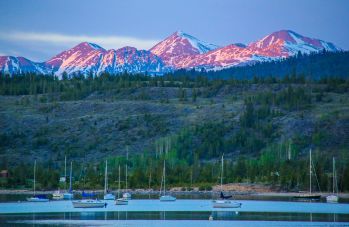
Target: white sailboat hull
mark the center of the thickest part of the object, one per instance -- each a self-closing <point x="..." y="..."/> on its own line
<point x="36" y="199"/>
<point x="127" y="196"/>
<point x="109" y="197"/>
<point x="68" y="196"/>
<point x="225" y="204"/>
<point x="332" y="199"/>
<point x="121" y="201"/>
<point x="167" y="198"/>
<point x="57" y="196"/>
<point x="88" y="204"/>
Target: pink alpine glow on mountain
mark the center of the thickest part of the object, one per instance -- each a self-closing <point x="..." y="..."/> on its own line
<point x="179" y="46"/>
<point x="179" y="50"/>
<point x="87" y="58"/>
<point x="277" y="45"/>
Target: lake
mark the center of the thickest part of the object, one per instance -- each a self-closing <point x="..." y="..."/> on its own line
<point x="183" y="212"/>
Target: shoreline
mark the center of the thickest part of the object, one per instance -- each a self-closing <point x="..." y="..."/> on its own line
<point x="175" y="192"/>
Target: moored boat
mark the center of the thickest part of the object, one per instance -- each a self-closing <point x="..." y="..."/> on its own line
<point x="57" y="195"/>
<point x="333" y="198"/>
<point x="36" y="198"/>
<point x="167" y="198"/>
<point x="120" y="201"/>
<point x="89" y="203"/>
<point x="226" y="204"/>
<point x="223" y="202"/>
<point x="310" y="195"/>
<point x="69" y="194"/>
<point x="164" y="197"/>
<point x="126" y="194"/>
<point x="107" y="196"/>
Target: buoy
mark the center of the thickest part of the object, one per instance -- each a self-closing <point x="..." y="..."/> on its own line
<point x="210" y="218"/>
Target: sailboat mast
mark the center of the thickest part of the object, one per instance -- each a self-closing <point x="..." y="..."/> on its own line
<point x="333" y="174"/>
<point x="71" y="171"/>
<point x="105" y="177"/>
<point x="149" y="178"/>
<point x="34" y="175"/>
<point x="119" y="184"/>
<point x="126" y="176"/>
<point x="222" y="174"/>
<point x="65" y="173"/>
<point x="310" y="171"/>
<point x="164" y="177"/>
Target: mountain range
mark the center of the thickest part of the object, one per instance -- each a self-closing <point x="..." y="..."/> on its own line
<point x="178" y="51"/>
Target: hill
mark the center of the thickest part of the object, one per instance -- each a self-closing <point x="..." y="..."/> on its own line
<point x="311" y="66"/>
<point x="264" y="128"/>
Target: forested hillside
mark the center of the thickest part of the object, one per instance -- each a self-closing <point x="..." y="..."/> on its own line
<point x="264" y="127"/>
<point x="314" y="66"/>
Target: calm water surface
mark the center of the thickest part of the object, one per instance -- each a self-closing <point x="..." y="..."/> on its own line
<point x="184" y="212"/>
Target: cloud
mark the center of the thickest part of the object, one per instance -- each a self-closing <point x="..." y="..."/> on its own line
<point x="108" y="42"/>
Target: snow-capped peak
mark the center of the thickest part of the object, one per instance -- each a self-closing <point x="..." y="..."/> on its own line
<point x="286" y="43"/>
<point x="89" y="46"/>
<point x="179" y="50"/>
<point x="203" y="47"/>
<point x="180" y="45"/>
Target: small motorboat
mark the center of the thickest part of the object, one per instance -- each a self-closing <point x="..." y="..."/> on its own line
<point x="121" y="201"/>
<point x="89" y="203"/>
<point x="38" y="199"/>
<point x="225" y="204"/>
<point x="57" y="195"/>
<point x="167" y="198"/>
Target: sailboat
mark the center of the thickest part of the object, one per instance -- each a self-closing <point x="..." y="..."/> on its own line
<point x="334" y="197"/>
<point x="120" y="201"/>
<point x="164" y="197"/>
<point x="58" y="195"/>
<point x="126" y="195"/>
<point x="107" y="196"/>
<point x="36" y="198"/>
<point x="223" y="202"/>
<point x="69" y="195"/>
<point x="89" y="203"/>
<point x="310" y="195"/>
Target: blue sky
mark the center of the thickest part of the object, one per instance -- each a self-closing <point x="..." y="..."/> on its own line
<point x="39" y="29"/>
